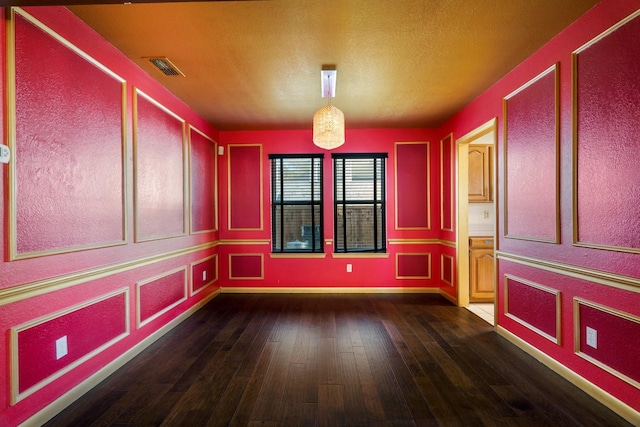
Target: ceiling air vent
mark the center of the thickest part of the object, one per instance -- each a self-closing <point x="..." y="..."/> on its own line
<point x="165" y="66"/>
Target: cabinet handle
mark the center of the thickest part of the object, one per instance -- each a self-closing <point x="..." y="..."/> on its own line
<point x="488" y="242"/>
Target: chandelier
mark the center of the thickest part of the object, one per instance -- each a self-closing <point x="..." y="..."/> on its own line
<point x="328" y="121"/>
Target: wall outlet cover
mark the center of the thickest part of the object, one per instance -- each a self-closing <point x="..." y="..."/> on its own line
<point x="61" y="347"/>
<point x="5" y="154"/>
<point x="592" y="337"/>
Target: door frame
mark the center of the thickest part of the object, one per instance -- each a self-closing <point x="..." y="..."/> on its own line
<point x="462" y="198"/>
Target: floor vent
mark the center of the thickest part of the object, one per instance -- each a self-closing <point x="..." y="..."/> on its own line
<point x="165" y="66"/>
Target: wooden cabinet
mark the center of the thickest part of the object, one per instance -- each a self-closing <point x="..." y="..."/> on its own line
<point x="481" y="269"/>
<point x="480" y="173"/>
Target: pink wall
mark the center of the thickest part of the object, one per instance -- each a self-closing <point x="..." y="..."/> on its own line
<point x="46" y="282"/>
<point x="329" y="271"/>
<point x="607" y="277"/>
<point x="71" y="266"/>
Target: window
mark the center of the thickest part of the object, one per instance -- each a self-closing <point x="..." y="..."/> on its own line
<point x="359" y="202"/>
<point x="296" y="203"/>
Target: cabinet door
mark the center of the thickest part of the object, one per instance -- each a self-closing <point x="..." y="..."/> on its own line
<point x="480" y="173"/>
<point x="481" y="286"/>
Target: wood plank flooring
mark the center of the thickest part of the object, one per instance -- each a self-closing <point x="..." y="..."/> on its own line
<point x="334" y="360"/>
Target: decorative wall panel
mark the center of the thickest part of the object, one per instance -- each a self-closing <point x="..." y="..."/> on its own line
<point x="245" y="187"/>
<point x="412" y="189"/>
<point x="159" y="170"/>
<point x="246" y="266"/>
<point x="534" y="306"/>
<point x="160" y="294"/>
<point x="446" y="269"/>
<point x="606" y="107"/>
<point x="204" y="184"/>
<point x="608" y="338"/>
<point x="45" y="349"/>
<point x="204" y="273"/>
<point x="447" y="147"/>
<point x="413" y="266"/>
<point x="531" y="160"/>
<point x="66" y="129"/>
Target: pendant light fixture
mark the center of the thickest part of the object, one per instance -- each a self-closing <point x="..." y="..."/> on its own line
<point x="328" y="121"/>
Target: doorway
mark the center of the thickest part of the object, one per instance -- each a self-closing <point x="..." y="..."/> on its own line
<point x="465" y="229"/>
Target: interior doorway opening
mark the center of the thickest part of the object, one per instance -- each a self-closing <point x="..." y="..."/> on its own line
<point x="468" y="294"/>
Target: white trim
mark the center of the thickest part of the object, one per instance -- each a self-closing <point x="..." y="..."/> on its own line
<point x="611" y="402"/>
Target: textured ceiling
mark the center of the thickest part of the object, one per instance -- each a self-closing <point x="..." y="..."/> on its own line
<point x="401" y="63"/>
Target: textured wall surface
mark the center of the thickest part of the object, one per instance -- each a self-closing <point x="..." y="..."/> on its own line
<point x="607" y="103"/>
<point x="597" y="142"/>
<point x="76" y="185"/>
<point x="69" y="148"/>
<point x="531" y="147"/>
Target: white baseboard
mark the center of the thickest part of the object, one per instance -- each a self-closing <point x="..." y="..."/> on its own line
<point x="326" y="290"/>
<point x="617" y="406"/>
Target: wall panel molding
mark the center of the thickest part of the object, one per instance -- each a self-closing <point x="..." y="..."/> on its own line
<point x="413" y="266"/>
<point x="75" y="219"/>
<point x="447" y="180"/>
<point x="246" y="266"/>
<point x="531" y="188"/>
<point x="605" y="99"/>
<point x="151" y="304"/>
<point x="160" y="172"/>
<point x="421" y="242"/>
<point x="527" y="309"/>
<point x="611" y="335"/>
<point x="203" y="163"/>
<point x="47" y="370"/>
<point x="232" y="242"/>
<point x="41" y="287"/>
<point x="412" y="172"/>
<point x="244" y="179"/>
<point x="204" y="273"/>
<point x="447" y="269"/>
<point x="600" y="277"/>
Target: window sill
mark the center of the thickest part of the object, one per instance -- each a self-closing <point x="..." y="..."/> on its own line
<point x="360" y="255"/>
<point x="296" y="255"/>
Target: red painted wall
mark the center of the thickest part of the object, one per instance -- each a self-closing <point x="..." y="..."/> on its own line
<point x="34" y="288"/>
<point x="75" y="210"/>
<point x="332" y="272"/>
<point x="607" y="277"/>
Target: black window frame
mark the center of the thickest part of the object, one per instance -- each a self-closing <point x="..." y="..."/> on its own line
<point x="344" y="247"/>
<point x="282" y="203"/>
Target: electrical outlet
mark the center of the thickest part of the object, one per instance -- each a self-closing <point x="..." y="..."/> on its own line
<point x="486" y="214"/>
<point x="5" y="154"/>
<point x="204" y="275"/>
<point x="61" y="347"/>
<point x="349" y="268"/>
<point x="592" y="337"/>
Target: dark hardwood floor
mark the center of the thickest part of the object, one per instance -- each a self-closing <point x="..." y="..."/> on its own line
<point x="347" y="360"/>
